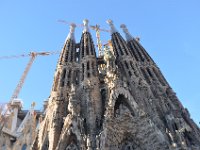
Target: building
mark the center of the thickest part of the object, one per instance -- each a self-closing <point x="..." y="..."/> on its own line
<point x="120" y="101"/>
<point x="18" y="127"/>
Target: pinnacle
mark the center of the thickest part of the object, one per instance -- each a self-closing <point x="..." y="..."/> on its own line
<point x="110" y="23"/>
<point x="126" y="32"/>
<point x="71" y="32"/>
<point x="85" y="23"/>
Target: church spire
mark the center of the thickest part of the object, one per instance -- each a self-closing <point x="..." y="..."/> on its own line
<point x="86" y="44"/>
<point x="85" y="23"/>
<point x="127" y="34"/>
<point x="119" y="45"/>
<point x="113" y="29"/>
<point x="68" y="53"/>
<point x="64" y="75"/>
<point x="151" y="73"/>
<point x="71" y="32"/>
<point x="138" y="51"/>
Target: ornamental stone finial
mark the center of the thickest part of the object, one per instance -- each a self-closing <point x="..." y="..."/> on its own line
<point x="71" y="31"/>
<point x="126" y="32"/>
<point x="85" y="23"/>
<point x="113" y="29"/>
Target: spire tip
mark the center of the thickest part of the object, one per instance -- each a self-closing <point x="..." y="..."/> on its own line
<point x="109" y="21"/>
<point x="113" y="29"/>
<point x="122" y="26"/>
<point x="73" y="25"/>
<point x="85" y="23"/>
<point x="71" y="31"/>
<point x="126" y="32"/>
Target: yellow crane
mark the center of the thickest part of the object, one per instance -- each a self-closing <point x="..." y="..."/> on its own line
<point x="19" y="86"/>
<point x="99" y="43"/>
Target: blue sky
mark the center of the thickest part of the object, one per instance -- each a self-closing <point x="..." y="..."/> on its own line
<point x="169" y="31"/>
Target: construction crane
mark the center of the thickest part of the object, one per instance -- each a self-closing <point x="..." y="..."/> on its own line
<point x="99" y="43"/>
<point x="17" y="90"/>
<point x="24" y="75"/>
<point x="97" y="29"/>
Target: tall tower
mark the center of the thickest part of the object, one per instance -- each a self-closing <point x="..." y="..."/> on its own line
<point x="128" y="106"/>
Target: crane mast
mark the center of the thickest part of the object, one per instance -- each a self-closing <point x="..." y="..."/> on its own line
<point x="23" y="77"/>
<point x="99" y="45"/>
<point x="19" y="86"/>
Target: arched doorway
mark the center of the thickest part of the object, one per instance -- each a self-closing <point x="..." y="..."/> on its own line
<point x="122" y="106"/>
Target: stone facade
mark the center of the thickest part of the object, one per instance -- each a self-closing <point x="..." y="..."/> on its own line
<point x="118" y="102"/>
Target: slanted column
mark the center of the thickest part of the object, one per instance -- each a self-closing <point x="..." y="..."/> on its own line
<point x="137" y="50"/>
<point x="119" y="45"/>
<point x="128" y="36"/>
<point x="136" y="54"/>
<point x="86" y="45"/>
<point x="87" y="54"/>
<point x="112" y="27"/>
<point x="151" y="73"/>
<point x="72" y="44"/>
<point x="69" y="50"/>
<point x="67" y="62"/>
<point x="91" y="103"/>
<point x="117" y="50"/>
<point x="67" y="57"/>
